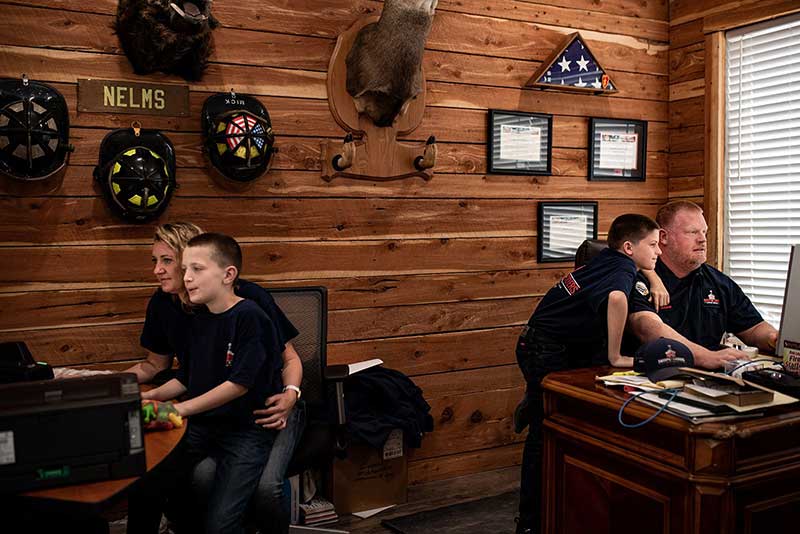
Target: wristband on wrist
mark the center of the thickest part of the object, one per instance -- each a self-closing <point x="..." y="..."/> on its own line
<point x="293" y="388"/>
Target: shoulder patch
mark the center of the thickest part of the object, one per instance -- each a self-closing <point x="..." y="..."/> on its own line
<point x="641" y="287"/>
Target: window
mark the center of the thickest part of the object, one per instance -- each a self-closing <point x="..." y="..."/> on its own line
<point x="762" y="171"/>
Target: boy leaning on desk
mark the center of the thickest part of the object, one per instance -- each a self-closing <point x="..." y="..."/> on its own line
<point x="232" y="364"/>
<point x="578" y="323"/>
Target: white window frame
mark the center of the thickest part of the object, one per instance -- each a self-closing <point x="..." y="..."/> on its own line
<point x="761" y="164"/>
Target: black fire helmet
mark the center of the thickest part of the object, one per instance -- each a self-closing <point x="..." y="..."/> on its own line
<point x="34" y="131"/>
<point x="136" y="172"/>
<point x="238" y="136"/>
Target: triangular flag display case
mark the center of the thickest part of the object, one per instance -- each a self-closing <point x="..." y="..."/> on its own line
<point x="573" y="67"/>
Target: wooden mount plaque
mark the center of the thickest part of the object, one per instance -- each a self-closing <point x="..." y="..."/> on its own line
<point x="379" y="156"/>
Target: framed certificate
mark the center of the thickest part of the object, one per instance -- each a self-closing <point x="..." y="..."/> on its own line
<point x="562" y="227"/>
<point x="519" y="142"/>
<point x="617" y="149"/>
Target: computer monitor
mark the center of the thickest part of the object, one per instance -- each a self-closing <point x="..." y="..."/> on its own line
<point x="789" y="337"/>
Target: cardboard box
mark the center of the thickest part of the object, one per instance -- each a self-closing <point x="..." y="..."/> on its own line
<point x="370" y="478"/>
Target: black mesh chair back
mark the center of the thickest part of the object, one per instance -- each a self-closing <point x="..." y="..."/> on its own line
<point x="588" y="250"/>
<point x="307" y="309"/>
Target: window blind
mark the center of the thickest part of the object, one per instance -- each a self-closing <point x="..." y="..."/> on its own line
<point x="762" y="171"/>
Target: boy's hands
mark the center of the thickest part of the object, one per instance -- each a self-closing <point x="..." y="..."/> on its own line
<point x="158" y="415"/>
<point x="658" y="292"/>
<point x="620" y="361"/>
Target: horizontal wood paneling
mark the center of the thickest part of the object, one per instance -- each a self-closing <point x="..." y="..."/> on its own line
<point x="43" y="219"/>
<point x="687" y="63"/>
<point x="472" y="421"/>
<point x="687" y="112"/>
<point x="87" y="32"/>
<point x="686" y="163"/>
<point x="686" y="34"/>
<point x="197" y="182"/>
<point x="686" y="139"/>
<point x="300" y="153"/>
<point x="66" y="307"/>
<point x="68" y="67"/>
<point x="435" y="353"/>
<point x="443" y="467"/>
<point x="433" y="277"/>
<point x="304" y="117"/>
<point x="277" y="260"/>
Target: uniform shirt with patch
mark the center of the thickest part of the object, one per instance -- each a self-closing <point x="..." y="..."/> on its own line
<point x="703" y="305"/>
<point x="166" y="322"/>
<point x="233" y="345"/>
<point x="575" y="309"/>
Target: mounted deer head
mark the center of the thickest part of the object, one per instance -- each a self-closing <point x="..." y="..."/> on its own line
<point x="384" y="65"/>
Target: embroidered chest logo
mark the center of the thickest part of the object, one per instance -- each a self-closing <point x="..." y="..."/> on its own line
<point x="711" y="299"/>
<point x="570" y="285"/>
<point x="229" y="356"/>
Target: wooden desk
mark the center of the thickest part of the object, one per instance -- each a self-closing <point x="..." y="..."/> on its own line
<point x="669" y="476"/>
<point x="157" y="445"/>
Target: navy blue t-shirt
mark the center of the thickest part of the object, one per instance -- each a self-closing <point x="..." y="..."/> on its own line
<point x="702" y="306"/>
<point x="166" y="322"/>
<point x="574" y="310"/>
<point x="233" y="345"/>
<point x="165" y="325"/>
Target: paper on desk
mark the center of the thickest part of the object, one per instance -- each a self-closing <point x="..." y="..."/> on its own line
<point x="637" y="381"/>
<point x="69" y="372"/>
<point x="675" y="405"/>
<point x="369" y="513"/>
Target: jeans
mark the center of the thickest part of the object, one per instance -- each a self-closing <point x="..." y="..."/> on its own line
<point x="536" y="356"/>
<point x="268" y="506"/>
<point x="240" y="452"/>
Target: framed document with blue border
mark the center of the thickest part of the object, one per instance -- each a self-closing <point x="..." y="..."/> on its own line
<point x="519" y="142"/>
<point x="562" y="227"/>
<point x="617" y="149"/>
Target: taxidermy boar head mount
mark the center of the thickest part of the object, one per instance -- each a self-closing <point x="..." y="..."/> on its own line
<point x="384" y="65"/>
<point x="171" y="36"/>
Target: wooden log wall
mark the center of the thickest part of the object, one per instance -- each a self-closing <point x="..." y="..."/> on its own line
<point x="434" y="277"/>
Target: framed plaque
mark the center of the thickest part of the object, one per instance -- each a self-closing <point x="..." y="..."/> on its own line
<point x="562" y="227"/>
<point x="617" y="149"/>
<point x="519" y="142"/>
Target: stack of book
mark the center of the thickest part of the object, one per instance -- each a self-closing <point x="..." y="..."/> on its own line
<point x="705" y="397"/>
<point x="317" y="511"/>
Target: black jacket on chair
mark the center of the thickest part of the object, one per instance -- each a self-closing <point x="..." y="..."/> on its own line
<point x="378" y="400"/>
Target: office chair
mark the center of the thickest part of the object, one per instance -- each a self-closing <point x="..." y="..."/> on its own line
<point x="588" y="250"/>
<point x="307" y="309"/>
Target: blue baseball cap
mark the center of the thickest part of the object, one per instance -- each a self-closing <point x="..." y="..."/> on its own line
<point x="662" y="359"/>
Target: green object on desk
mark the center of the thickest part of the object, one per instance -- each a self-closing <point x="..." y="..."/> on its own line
<point x="157" y="415"/>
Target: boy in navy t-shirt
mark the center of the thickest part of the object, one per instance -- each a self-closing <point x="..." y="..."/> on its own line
<point x="579" y="323"/>
<point x="231" y="364"/>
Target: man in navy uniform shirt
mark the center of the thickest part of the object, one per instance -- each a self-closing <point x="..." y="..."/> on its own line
<point x="578" y="323"/>
<point x="704" y="303"/>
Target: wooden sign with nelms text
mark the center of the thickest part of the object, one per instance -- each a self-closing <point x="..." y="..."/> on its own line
<point x="110" y="96"/>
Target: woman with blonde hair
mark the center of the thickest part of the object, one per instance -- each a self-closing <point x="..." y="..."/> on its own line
<point x="164" y="337"/>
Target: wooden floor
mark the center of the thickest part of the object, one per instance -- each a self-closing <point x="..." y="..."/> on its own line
<point x="437" y="494"/>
